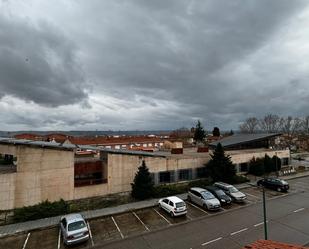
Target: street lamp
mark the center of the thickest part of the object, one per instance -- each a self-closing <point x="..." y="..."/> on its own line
<point x="264" y="213"/>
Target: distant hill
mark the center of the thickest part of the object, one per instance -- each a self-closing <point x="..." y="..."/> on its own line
<point x="87" y="133"/>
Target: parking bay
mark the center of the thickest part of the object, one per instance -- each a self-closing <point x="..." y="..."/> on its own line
<point x="111" y="228"/>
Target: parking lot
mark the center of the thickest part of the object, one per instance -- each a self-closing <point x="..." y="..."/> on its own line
<point x="119" y="226"/>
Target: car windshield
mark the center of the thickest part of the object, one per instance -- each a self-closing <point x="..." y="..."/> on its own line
<point x="207" y="195"/>
<point x="180" y="204"/>
<point x="220" y="192"/>
<point x="76" y="225"/>
<point x="233" y="190"/>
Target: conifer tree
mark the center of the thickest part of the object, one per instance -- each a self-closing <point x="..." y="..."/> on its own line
<point x="142" y="187"/>
<point x="199" y="133"/>
<point x="220" y="166"/>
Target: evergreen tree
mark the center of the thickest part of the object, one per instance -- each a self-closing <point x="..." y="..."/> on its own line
<point x="199" y="132"/>
<point x="216" y="132"/>
<point x="220" y="166"/>
<point x="142" y="187"/>
<point x="268" y="164"/>
<point x="276" y="163"/>
<point x="256" y="166"/>
<point x="231" y="133"/>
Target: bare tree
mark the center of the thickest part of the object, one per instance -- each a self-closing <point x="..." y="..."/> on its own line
<point x="305" y="125"/>
<point x="250" y="125"/>
<point x="290" y="126"/>
<point x="271" y="123"/>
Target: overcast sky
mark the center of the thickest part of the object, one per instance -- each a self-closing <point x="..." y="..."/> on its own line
<point x="140" y="64"/>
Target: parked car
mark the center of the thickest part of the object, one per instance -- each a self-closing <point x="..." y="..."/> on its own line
<point x="231" y="191"/>
<point x="203" y="198"/>
<point x="74" y="229"/>
<point x="173" y="205"/>
<point x="274" y="183"/>
<point x="220" y="195"/>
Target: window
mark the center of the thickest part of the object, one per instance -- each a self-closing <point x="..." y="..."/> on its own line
<point x="89" y="173"/>
<point x="185" y="174"/>
<point x="166" y="177"/>
<point x="165" y="201"/>
<point x="171" y="204"/>
<point x="285" y="161"/>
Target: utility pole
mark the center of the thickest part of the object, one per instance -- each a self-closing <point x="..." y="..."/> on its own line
<point x="264" y="212"/>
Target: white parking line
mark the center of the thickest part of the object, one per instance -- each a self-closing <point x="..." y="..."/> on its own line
<point x="298" y="210"/>
<point x="90" y="234"/>
<point x="259" y="224"/>
<point x="197" y="207"/>
<point x="163" y="217"/>
<point x="242" y="230"/>
<point x="253" y="195"/>
<point x="141" y="221"/>
<point x="58" y="246"/>
<point x="117" y="227"/>
<point x="26" y="241"/>
<point x="211" y="241"/>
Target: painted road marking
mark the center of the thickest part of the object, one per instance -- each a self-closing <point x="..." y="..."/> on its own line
<point x="141" y="221"/>
<point x="90" y="234"/>
<point x="26" y="241"/>
<point x="242" y="230"/>
<point x="298" y="210"/>
<point x="253" y="195"/>
<point x="197" y="207"/>
<point x="163" y="217"/>
<point x="59" y="238"/>
<point x="259" y="224"/>
<point x="117" y="227"/>
<point x="211" y="241"/>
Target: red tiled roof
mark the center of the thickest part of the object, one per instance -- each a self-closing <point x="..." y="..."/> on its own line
<point x="114" y="140"/>
<point x="29" y="136"/>
<point x="269" y="244"/>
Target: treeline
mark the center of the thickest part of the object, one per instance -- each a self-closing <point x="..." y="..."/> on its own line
<point x="272" y="123"/>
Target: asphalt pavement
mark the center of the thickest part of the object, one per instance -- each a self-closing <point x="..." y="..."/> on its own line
<point x="287" y="216"/>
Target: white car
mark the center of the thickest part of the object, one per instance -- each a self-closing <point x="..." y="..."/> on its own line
<point x="173" y="205"/>
<point x="74" y="229"/>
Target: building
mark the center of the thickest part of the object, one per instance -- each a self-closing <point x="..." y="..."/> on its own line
<point x="49" y="170"/>
<point x="243" y="147"/>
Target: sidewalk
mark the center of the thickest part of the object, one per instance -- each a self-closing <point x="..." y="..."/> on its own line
<point x="54" y="221"/>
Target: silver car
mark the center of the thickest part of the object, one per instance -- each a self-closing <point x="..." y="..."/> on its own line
<point x="230" y="190"/>
<point x="74" y="229"/>
<point x="203" y="198"/>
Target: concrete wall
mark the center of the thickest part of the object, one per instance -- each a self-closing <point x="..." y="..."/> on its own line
<point x="41" y="174"/>
<point x="247" y="156"/>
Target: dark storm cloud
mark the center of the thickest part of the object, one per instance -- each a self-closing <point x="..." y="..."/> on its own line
<point x="154" y="64"/>
<point x="176" y="48"/>
<point x="37" y="63"/>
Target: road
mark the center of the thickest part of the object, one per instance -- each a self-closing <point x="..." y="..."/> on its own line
<point x="287" y="215"/>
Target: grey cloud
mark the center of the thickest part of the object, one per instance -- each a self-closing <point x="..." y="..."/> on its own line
<point x="37" y="63"/>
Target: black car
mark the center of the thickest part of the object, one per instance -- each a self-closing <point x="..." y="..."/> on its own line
<point x="220" y="195"/>
<point x="274" y="183"/>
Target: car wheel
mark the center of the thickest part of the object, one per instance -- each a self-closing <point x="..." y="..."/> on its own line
<point x="172" y="214"/>
<point x="279" y="189"/>
<point x="160" y="205"/>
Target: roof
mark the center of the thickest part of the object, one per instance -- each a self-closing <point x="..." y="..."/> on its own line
<point x="199" y="189"/>
<point x="174" y="199"/>
<point x="238" y="139"/>
<point x="72" y="147"/>
<point x="269" y="244"/>
<point x="73" y="217"/>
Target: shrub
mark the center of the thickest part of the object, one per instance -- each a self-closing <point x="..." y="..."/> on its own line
<point x="167" y="190"/>
<point x="42" y="210"/>
<point x="202" y="183"/>
<point x="237" y="179"/>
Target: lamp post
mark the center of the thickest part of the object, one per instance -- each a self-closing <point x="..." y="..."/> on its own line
<point x="264" y="213"/>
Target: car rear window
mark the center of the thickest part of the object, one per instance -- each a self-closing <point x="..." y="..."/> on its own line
<point x="76" y="225"/>
<point x="180" y="204"/>
<point x="220" y="192"/>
